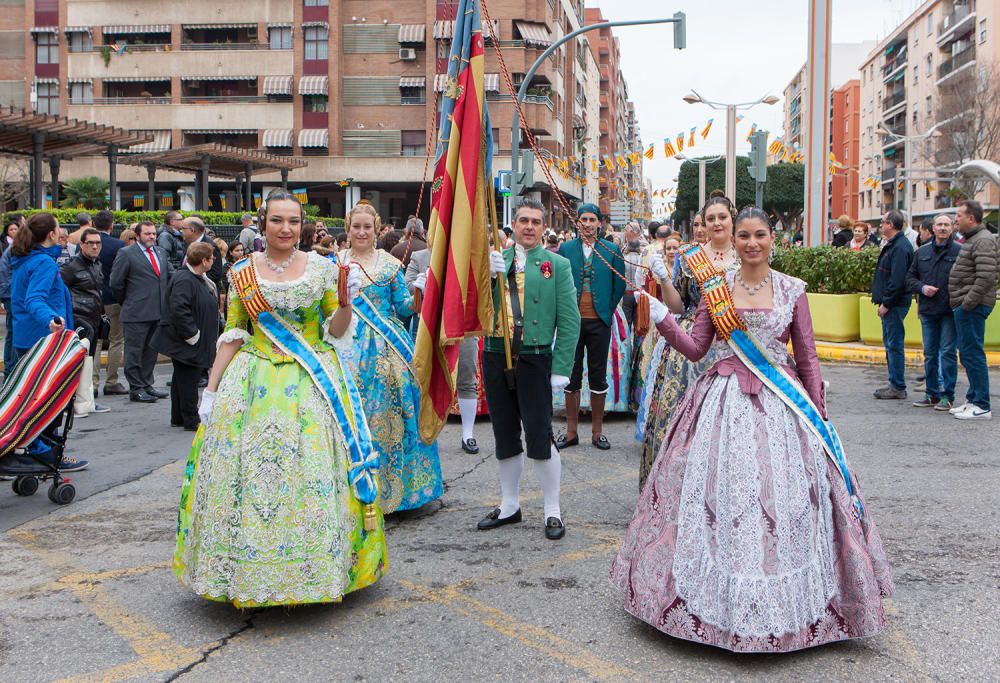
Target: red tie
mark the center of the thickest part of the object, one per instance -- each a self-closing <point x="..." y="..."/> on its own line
<point x="152" y="259"/>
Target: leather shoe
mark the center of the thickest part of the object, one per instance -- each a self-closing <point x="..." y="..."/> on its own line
<point x="554" y="529"/>
<point x="115" y="389"/>
<point x="142" y="397"/>
<point x="492" y="520"/>
<point x="562" y="442"/>
<point x="158" y="393"/>
<point x="470" y="446"/>
<point x="602" y="443"/>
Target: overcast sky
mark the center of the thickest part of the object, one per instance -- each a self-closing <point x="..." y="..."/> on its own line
<point x="737" y="51"/>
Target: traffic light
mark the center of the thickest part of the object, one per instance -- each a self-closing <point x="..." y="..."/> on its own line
<point x="758" y="156"/>
<point x="680" y="31"/>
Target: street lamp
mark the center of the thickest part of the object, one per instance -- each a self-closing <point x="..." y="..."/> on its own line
<point x="701" y="172"/>
<point x="695" y="98"/>
<point x="883" y="130"/>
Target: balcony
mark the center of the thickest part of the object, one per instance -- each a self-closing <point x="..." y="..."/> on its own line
<point x="961" y="21"/>
<point x="185" y="64"/>
<point x="130" y="100"/>
<point x="956" y="62"/>
<point x="225" y="46"/>
<point x="894" y="100"/>
<point x="538" y="114"/>
<point x="188" y="116"/>
<point x="894" y="66"/>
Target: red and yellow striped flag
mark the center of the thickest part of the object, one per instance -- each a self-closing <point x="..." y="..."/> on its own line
<point x="668" y="148"/>
<point x="457" y="300"/>
<point x="649" y="152"/>
<point x="706" y="129"/>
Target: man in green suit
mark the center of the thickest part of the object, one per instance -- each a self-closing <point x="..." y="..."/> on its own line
<point x="598" y="268"/>
<point x="543" y="309"/>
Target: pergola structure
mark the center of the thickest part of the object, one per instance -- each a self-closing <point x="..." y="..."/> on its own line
<point x="213" y="159"/>
<point x="43" y="137"/>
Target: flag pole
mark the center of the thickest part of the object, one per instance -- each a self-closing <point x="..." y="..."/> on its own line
<point x="501" y="282"/>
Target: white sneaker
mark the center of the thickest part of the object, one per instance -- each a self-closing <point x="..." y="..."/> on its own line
<point x="961" y="409"/>
<point x="975" y="413"/>
<point x="80" y="416"/>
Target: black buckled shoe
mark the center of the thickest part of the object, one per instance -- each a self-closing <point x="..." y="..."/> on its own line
<point x="470" y="446"/>
<point x="554" y="529"/>
<point x="602" y="443"/>
<point x="493" y="520"/>
<point x="562" y="442"/>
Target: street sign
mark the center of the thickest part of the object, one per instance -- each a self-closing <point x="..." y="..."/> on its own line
<point x="620" y="212"/>
<point x="503" y="183"/>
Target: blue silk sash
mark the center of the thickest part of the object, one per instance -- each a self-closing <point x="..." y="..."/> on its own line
<point x="730" y="324"/>
<point x="397" y="338"/>
<point x="364" y="461"/>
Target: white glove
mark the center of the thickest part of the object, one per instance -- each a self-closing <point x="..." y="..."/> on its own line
<point x="205" y="407"/>
<point x="353" y="281"/>
<point x="658" y="267"/>
<point x="559" y="383"/>
<point x="420" y="282"/>
<point x="657" y="310"/>
<point x="497" y="264"/>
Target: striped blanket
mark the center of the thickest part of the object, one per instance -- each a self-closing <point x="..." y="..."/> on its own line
<point x="41" y="386"/>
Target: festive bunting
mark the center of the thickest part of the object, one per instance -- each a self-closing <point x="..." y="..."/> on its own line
<point x="708" y="127"/>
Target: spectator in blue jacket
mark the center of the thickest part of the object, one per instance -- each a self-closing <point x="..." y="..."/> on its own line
<point x="889" y="291"/>
<point x="928" y="279"/>
<point x="13" y="224"/>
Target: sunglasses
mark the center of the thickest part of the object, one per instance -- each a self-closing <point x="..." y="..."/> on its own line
<point x="92" y="243"/>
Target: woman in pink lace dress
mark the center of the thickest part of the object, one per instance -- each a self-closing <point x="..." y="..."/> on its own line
<point x="745" y="536"/>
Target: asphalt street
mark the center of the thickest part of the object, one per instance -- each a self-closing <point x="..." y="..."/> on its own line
<point x="87" y="594"/>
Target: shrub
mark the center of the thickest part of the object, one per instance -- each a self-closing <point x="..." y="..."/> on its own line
<point x="829" y="270"/>
<point x="68" y="216"/>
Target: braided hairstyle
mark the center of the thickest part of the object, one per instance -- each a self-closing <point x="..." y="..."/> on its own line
<point x="275" y="196"/>
<point x="364" y="206"/>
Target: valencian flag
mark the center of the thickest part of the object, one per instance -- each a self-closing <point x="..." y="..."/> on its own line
<point x="457" y="297"/>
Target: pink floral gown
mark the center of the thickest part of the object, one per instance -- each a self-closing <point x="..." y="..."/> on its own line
<point x="744" y="536"/>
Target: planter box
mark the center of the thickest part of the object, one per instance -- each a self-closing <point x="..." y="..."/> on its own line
<point x="871" y="324"/>
<point x="993" y="330"/>
<point x="834" y="317"/>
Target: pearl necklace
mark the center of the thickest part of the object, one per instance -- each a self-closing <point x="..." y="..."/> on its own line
<point x="752" y="291"/>
<point x="279" y="268"/>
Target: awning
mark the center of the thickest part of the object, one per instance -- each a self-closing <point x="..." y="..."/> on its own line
<point x="219" y="131"/>
<point x="278" y="137"/>
<point x="280" y="24"/>
<point x="412" y="82"/>
<point x="77" y="29"/>
<point x="218" y="78"/>
<point x="440" y="80"/>
<point x="278" y="85"/>
<point x="315" y="24"/>
<point x="45" y="29"/>
<point x="161" y="142"/>
<point x="491" y="82"/>
<point x="47" y="81"/>
<point x="311" y="138"/>
<point x="314" y="85"/>
<point x="213" y="26"/>
<point x="444" y="30"/>
<point x="149" y="28"/>
<point x="136" y="79"/>
<point x="412" y="33"/>
<point x="80" y="80"/>
<point x="533" y="34"/>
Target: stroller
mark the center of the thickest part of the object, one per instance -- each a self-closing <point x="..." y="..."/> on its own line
<point x="36" y="403"/>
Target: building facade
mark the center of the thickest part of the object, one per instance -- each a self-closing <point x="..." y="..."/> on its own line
<point x="905" y="86"/>
<point x="845" y="139"/>
<point x="352" y="87"/>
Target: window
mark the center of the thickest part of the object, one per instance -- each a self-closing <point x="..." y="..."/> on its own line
<point x="316" y="42"/>
<point x="316" y="3"/>
<point x="46" y="48"/>
<point x="80" y="41"/>
<point x="982" y="30"/>
<point x="913" y="190"/>
<point x="413" y="95"/>
<point x="315" y="103"/>
<point x="930" y="23"/>
<point x="847" y="154"/>
<point x="443" y="49"/>
<point x="81" y="93"/>
<point x="914" y="114"/>
<point x="280" y="37"/>
<point x="48" y="98"/>
<point x="916" y="72"/>
<point x="930" y="106"/>
<point x="413" y="143"/>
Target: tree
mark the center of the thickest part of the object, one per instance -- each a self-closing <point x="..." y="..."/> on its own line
<point x="87" y="193"/>
<point x="715" y="179"/>
<point x="783" y="193"/>
<point x="13" y="183"/>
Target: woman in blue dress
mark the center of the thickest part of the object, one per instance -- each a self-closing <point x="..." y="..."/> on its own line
<point x="410" y="471"/>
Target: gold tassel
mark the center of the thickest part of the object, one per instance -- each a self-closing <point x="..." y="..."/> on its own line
<point x="418" y="300"/>
<point x="642" y="312"/>
<point x="343" y="293"/>
<point x="371" y="517"/>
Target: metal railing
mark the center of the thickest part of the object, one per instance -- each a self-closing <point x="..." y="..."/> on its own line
<point x="897" y="62"/>
<point x="893" y="100"/>
<point x="422" y="99"/>
<point x="540" y="99"/>
<point x="229" y="46"/>
<point x="218" y="99"/>
<point x="131" y="100"/>
<point x="957" y="60"/>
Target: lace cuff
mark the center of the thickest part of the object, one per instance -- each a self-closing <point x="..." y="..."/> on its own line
<point x="344" y="344"/>
<point x="232" y="335"/>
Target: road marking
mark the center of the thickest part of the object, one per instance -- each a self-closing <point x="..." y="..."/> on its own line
<point x="529" y="635"/>
<point x="901" y="643"/>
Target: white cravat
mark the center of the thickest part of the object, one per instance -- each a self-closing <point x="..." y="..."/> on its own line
<point x="519" y="258"/>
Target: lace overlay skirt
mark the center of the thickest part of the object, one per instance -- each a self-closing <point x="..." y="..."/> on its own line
<point x="744" y="536"/>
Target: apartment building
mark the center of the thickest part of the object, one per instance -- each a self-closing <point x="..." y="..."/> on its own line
<point x="903" y="83"/>
<point x="845" y="144"/>
<point x="351" y="86"/>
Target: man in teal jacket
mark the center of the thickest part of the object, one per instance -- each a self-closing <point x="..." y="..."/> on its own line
<point x="598" y="268"/>
<point x="543" y="310"/>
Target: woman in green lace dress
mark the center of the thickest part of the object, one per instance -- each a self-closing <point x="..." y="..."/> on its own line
<point x="274" y="508"/>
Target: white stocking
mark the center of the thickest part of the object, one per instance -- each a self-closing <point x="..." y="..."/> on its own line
<point x="510" y="484"/>
<point x="467" y="407"/>
<point x="549" y="472"/>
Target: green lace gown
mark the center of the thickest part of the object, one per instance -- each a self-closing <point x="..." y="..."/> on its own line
<point x="267" y="516"/>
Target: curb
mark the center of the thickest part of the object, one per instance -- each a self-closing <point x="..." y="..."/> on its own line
<point x="875" y="355"/>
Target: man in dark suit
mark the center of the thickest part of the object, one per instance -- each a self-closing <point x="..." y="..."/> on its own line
<point x="193" y="230"/>
<point x="103" y="221"/>
<point x="598" y="268"/>
<point x="139" y="281"/>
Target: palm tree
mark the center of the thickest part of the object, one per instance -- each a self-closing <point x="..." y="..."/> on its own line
<point x="85" y="193"/>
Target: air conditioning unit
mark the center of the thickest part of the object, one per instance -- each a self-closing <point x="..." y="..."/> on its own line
<point x="407" y="54"/>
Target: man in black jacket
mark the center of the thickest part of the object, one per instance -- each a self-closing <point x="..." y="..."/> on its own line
<point x="893" y="298"/>
<point x="110" y="246"/>
<point x="928" y="279"/>
<point x="84" y="277"/>
<point x="193" y="230"/>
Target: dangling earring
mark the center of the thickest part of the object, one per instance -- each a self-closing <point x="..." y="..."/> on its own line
<point x="770" y="257"/>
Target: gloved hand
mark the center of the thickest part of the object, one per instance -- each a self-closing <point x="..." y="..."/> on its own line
<point x="353" y="281"/>
<point x="559" y="383"/>
<point x="205" y="407"/>
<point x="420" y="282"/>
<point x="497" y="264"/>
<point x="657" y="310"/>
<point x="658" y="267"/>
